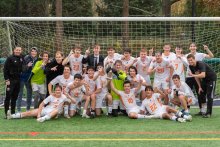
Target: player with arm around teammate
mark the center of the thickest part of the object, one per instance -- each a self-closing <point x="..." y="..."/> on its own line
<point x="55" y="106"/>
<point x="181" y="94"/>
<point x="152" y="103"/>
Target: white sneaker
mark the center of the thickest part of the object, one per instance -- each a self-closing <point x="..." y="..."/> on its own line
<point x="67" y="116"/>
<point x="9" y="114"/>
<point x="85" y="115"/>
<point x="181" y="120"/>
<point x="188" y="117"/>
<point x="41" y="119"/>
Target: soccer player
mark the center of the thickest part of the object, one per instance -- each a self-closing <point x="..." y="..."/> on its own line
<point x="54" y="68"/>
<point x="179" y="63"/>
<point x="127" y="60"/>
<point x="191" y="81"/>
<point x="163" y="72"/>
<point x="167" y="55"/>
<point x="92" y="88"/>
<point x="127" y="97"/>
<point x="29" y="62"/>
<point x="152" y="103"/>
<point x="38" y="79"/>
<point x="142" y="65"/>
<point x="202" y="72"/>
<point x="77" y="91"/>
<point x="109" y="61"/>
<point x="75" y="60"/>
<point x="102" y="86"/>
<point x="43" y="113"/>
<point x="12" y="71"/>
<point x="135" y="79"/>
<point x="181" y="94"/>
<point x="118" y="79"/>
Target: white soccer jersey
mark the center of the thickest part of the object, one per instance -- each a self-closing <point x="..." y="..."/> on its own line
<point x="76" y="64"/>
<point x="185" y="90"/>
<point x="179" y="67"/>
<point x="198" y="57"/>
<point x="162" y="69"/>
<point x="110" y="61"/>
<point x="102" y="83"/>
<point x="76" y="92"/>
<point x="62" y="81"/>
<point x="135" y="81"/>
<point x="128" y="100"/>
<point x="142" y="66"/>
<point x="55" y="103"/>
<point x="92" y="84"/>
<point x="170" y="57"/>
<point x="127" y="62"/>
<point x="153" y="105"/>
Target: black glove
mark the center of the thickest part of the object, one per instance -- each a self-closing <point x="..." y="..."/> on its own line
<point x="108" y="69"/>
<point x="114" y="71"/>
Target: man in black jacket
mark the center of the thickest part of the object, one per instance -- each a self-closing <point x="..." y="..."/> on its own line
<point x="206" y="80"/>
<point x="93" y="59"/>
<point x="12" y="72"/>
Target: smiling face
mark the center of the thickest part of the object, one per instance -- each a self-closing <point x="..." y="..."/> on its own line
<point x="45" y="57"/>
<point x="96" y="50"/>
<point x="148" y="92"/>
<point x="66" y="71"/>
<point x="17" y="51"/>
<point x="191" y="61"/>
<point x="33" y="53"/>
<point x="192" y="47"/>
<point x="127" y="87"/>
<point x="58" y="91"/>
<point x="111" y="52"/>
<point x="158" y="57"/>
<point x="132" y="72"/>
<point x="167" y="48"/>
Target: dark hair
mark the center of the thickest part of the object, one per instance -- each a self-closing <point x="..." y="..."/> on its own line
<point x="190" y="56"/>
<point x="176" y="76"/>
<point x="59" y="52"/>
<point x="67" y="67"/>
<point x="158" y="52"/>
<point x="100" y="64"/>
<point x="126" y="82"/>
<point x="118" y="61"/>
<point x="90" y="67"/>
<point x="78" y="76"/>
<point x="179" y="46"/>
<point x="149" y="87"/>
<point x="127" y="50"/>
<point x="132" y="67"/>
<point x="45" y="52"/>
<point x="111" y="47"/>
<point x="58" y="86"/>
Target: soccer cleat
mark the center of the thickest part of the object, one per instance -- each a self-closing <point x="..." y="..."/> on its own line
<point x="188" y="117"/>
<point x="181" y="120"/>
<point x="9" y="115"/>
<point x="92" y="115"/>
<point x="85" y="115"/>
<point x="207" y="115"/>
<point x="67" y="116"/>
<point x="200" y="113"/>
<point x="41" y="119"/>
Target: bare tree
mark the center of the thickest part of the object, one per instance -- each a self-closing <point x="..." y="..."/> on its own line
<point x="59" y="26"/>
<point x="125" y="35"/>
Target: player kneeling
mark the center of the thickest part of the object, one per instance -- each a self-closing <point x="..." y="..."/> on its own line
<point x="152" y="103"/>
<point x="76" y="92"/>
<point x="181" y="94"/>
<point x="55" y="107"/>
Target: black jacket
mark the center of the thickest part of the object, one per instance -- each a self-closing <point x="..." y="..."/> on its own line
<point x="13" y="67"/>
<point x="90" y="60"/>
<point x="50" y="75"/>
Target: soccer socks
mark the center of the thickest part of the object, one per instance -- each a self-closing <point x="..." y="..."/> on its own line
<point x="139" y="116"/>
<point x="16" y="115"/>
<point x="174" y="118"/>
<point x="66" y="109"/>
<point x="110" y="109"/>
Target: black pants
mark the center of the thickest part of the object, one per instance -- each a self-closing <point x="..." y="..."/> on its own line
<point x="209" y="89"/>
<point x="11" y="95"/>
<point x="191" y="82"/>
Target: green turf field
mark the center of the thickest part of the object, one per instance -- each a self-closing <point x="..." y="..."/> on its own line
<point x="107" y="131"/>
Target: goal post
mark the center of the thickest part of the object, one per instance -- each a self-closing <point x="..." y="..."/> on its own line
<point x="147" y="32"/>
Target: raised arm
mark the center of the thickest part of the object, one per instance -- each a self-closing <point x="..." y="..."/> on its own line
<point x="210" y="54"/>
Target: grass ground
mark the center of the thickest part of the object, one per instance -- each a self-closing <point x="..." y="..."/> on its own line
<point x="108" y="131"/>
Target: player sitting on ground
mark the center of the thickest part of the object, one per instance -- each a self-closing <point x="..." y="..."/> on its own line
<point x="128" y="100"/>
<point x="55" y="106"/>
<point x="152" y="103"/>
<point x="181" y="94"/>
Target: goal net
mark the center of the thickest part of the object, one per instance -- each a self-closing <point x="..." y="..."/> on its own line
<point x="51" y="34"/>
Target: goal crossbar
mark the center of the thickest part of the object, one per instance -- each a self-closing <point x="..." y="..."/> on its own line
<point x="109" y="18"/>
